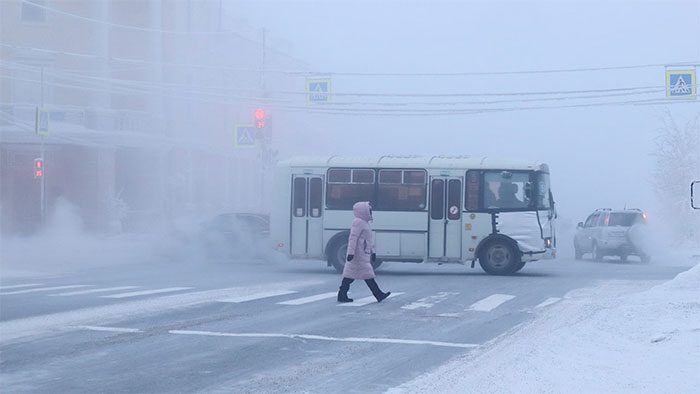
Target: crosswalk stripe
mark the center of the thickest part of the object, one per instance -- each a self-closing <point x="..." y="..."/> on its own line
<point x="44" y="289"/>
<point x="547" y="302"/>
<point x="2" y="288"/>
<point x="306" y="300"/>
<point x="91" y="291"/>
<point x="368" y="300"/>
<point x="146" y="292"/>
<point x="430" y="301"/>
<point x="256" y="296"/>
<point x="490" y="303"/>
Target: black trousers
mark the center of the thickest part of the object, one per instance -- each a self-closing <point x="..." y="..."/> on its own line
<point x="371" y="283"/>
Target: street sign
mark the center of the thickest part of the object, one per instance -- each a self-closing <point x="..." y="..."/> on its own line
<point x="318" y="90"/>
<point x="245" y="136"/>
<point x="42" y="122"/>
<point x="681" y="83"/>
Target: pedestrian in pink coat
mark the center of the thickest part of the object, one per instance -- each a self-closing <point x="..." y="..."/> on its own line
<point x="360" y="255"/>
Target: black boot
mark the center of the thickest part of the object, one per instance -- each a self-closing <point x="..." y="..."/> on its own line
<point x="343" y="292"/>
<point x="374" y="287"/>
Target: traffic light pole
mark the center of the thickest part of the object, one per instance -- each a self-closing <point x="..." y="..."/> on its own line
<point x="42" y="182"/>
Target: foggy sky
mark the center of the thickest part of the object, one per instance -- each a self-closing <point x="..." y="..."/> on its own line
<point x="599" y="156"/>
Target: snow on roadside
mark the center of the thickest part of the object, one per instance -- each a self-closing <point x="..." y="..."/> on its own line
<point x="593" y="341"/>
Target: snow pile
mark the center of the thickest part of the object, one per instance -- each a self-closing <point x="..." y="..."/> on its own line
<point x="594" y="341"/>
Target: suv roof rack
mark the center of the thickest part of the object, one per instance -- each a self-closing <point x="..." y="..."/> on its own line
<point x="604" y="209"/>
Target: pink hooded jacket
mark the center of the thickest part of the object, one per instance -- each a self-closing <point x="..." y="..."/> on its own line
<point x="360" y="244"/>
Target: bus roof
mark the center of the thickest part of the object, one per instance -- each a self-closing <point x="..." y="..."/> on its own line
<point x="390" y="161"/>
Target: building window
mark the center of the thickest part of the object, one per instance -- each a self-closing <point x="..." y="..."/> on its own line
<point x="32" y="11"/>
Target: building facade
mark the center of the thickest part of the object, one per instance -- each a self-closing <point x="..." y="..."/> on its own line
<point x="143" y="100"/>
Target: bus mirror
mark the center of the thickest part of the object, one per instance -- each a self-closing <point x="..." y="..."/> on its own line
<point x="579" y="225"/>
<point x="695" y="194"/>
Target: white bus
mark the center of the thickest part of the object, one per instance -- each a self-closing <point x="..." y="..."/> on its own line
<point x="425" y="209"/>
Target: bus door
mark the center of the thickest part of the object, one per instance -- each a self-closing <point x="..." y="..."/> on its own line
<point x="444" y="233"/>
<point x="307" y="216"/>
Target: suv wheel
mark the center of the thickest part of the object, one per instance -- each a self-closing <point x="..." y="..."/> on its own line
<point x="597" y="255"/>
<point x="578" y="254"/>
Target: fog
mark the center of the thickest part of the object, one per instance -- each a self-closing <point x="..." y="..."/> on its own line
<point x="145" y="98"/>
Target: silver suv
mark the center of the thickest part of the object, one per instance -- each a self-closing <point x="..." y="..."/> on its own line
<point x="609" y="232"/>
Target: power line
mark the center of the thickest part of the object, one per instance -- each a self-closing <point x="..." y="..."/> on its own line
<point x="383" y="94"/>
<point x="484" y="73"/>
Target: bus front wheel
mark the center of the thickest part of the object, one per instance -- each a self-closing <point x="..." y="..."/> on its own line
<point x="499" y="257"/>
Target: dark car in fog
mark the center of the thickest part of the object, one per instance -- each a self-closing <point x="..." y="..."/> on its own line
<point x="235" y="235"/>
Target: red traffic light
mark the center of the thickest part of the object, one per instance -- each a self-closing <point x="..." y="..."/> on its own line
<point x="260" y="114"/>
<point x="38" y="168"/>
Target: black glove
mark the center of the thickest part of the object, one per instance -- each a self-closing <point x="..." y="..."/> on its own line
<point x="350" y="257"/>
<point x="374" y="257"/>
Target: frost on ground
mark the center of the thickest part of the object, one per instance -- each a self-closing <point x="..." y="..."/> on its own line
<point x="594" y="341"/>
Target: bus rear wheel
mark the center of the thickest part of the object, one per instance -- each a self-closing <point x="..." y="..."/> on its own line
<point x="337" y="252"/>
<point x="499" y="257"/>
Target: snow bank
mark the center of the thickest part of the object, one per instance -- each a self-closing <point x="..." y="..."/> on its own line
<point x="593" y="341"/>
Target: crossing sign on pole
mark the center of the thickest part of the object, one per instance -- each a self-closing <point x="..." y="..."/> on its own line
<point x="42" y="122"/>
<point x="681" y="83"/>
<point x="318" y="90"/>
<point x="245" y="136"/>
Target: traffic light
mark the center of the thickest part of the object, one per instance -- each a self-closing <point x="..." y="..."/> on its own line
<point x="260" y="118"/>
<point x="38" y="168"/>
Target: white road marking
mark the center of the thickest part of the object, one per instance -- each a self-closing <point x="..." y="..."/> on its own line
<point x="43" y="289"/>
<point x="429" y="302"/>
<point x="448" y="314"/>
<point x="19" y="286"/>
<point x="490" y="303"/>
<point x="91" y="291"/>
<point x="146" y="292"/>
<point x="256" y="296"/>
<point x="368" y="300"/>
<point x="46" y="324"/>
<point x="313" y="298"/>
<point x="548" y="301"/>
<point x="108" y="329"/>
<point x="324" y="338"/>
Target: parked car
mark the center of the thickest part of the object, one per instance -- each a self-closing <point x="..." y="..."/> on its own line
<point x="608" y="232"/>
<point x="234" y="235"/>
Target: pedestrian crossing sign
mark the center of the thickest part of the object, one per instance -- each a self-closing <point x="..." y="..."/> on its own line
<point x="318" y="90"/>
<point x="681" y="83"/>
<point x="42" y="122"/>
<point x="245" y="136"/>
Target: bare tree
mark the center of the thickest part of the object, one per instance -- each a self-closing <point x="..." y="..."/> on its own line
<point x="677" y="164"/>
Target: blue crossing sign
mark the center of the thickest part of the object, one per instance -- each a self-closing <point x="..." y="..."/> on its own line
<point x="41" y="126"/>
<point x="318" y="90"/>
<point x="681" y="83"/>
<point x="245" y="136"/>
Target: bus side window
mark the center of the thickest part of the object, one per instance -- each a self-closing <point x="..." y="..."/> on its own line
<point x="473" y="189"/>
<point x="315" y="197"/>
<point x="437" y="199"/>
<point x="299" y="203"/>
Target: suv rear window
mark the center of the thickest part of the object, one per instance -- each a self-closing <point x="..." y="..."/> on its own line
<point x="625" y="219"/>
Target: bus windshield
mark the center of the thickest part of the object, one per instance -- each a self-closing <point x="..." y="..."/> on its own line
<point x="506" y="190"/>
